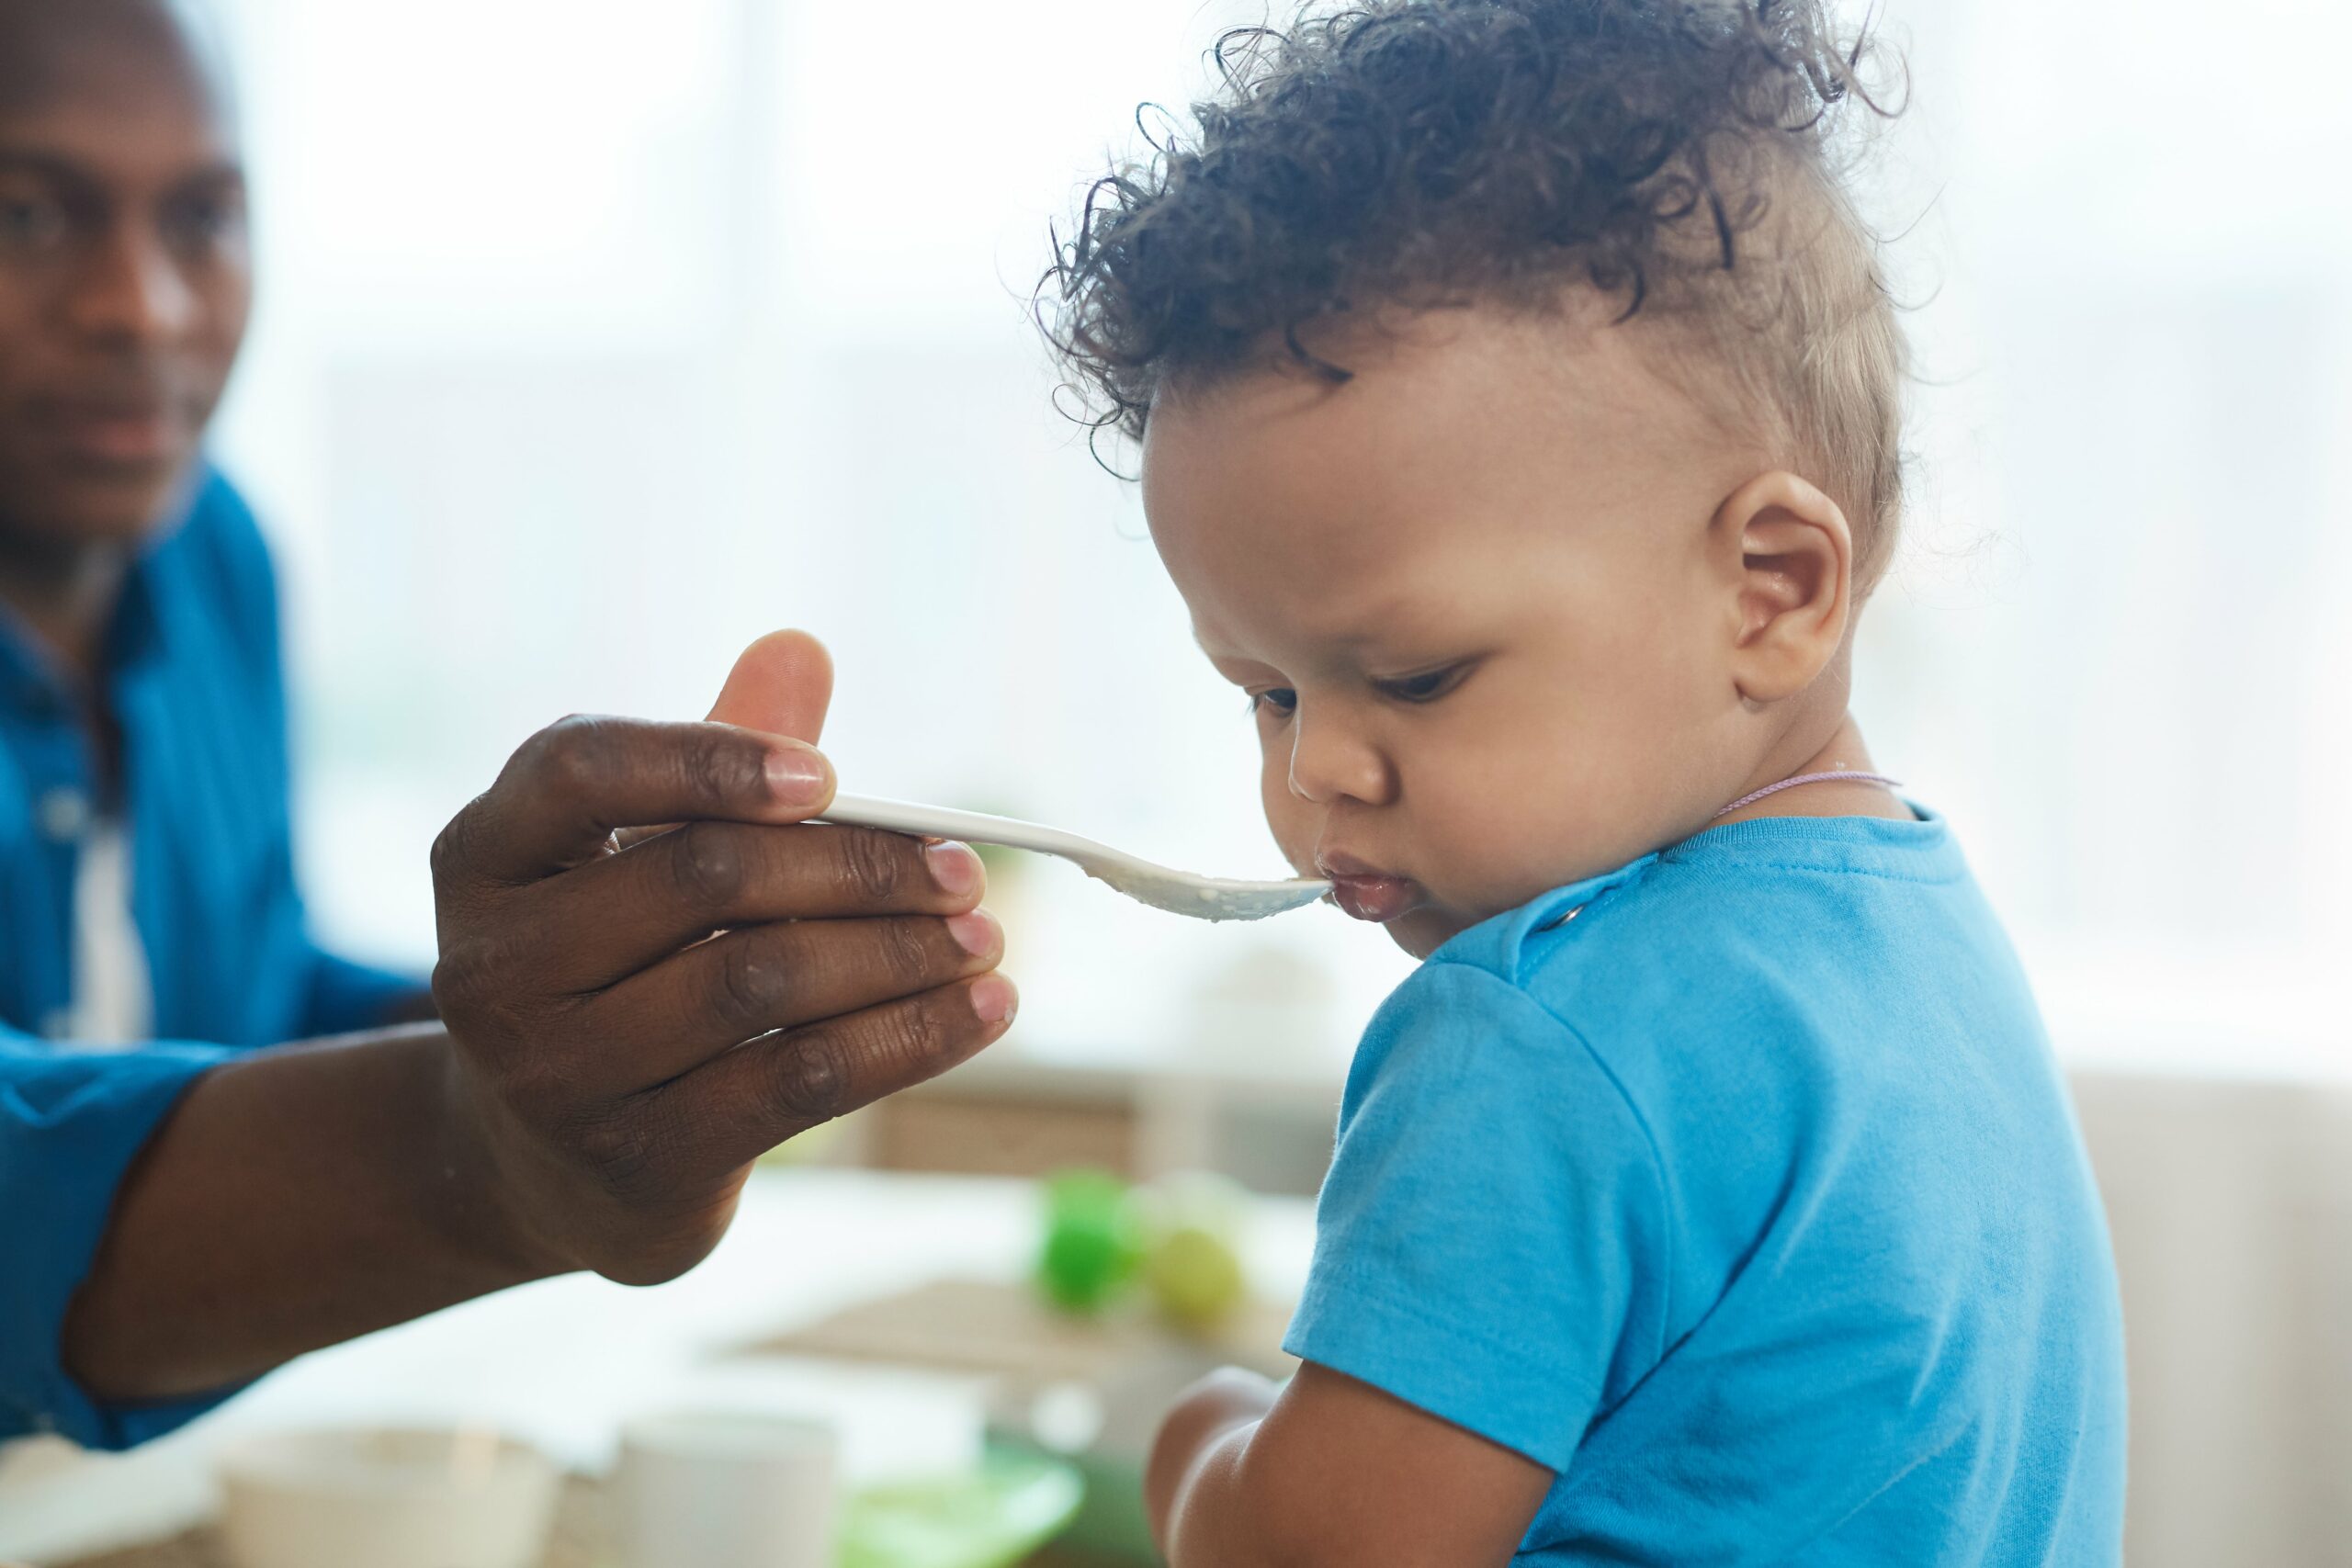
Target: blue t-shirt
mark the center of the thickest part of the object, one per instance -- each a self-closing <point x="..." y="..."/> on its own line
<point x="197" y="686"/>
<point x="194" y="682"/>
<point x="70" y="1123"/>
<point x="1738" y="1187"/>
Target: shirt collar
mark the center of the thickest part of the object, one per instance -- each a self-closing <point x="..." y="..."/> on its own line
<point x="30" y="679"/>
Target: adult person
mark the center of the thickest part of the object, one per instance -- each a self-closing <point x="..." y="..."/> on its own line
<point x="139" y="691"/>
<point x="627" y="1020"/>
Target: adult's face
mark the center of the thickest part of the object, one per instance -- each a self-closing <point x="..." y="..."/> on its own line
<point x="125" y="281"/>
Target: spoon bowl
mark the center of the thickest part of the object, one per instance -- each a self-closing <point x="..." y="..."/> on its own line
<point x="1177" y="892"/>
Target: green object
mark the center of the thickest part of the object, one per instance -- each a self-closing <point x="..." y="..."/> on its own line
<point x="1194" y="1265"/>
<point x="1095" y="1240"/>
<point x="1015" y="1503"/>
<point x="1195" y="1277"/>
<point x="1109" y="1526"/>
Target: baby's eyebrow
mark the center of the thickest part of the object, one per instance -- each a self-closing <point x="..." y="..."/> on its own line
<point x="1400" y="618"/>
<point x="1224" y="663"/>
<point x="1208" y="652"/>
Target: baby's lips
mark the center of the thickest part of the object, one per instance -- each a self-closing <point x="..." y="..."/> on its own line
<point x="1375" y="899"/>
<point x="1337" y="865"/>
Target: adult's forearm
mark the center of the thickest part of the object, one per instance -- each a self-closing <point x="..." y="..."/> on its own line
<point x="295" y="1198"/>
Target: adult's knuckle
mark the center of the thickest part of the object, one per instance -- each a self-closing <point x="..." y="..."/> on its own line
<point x="724" y="771"/>
<point x="618" y="1149"/>
<point x="453" y="846"/>
<point x="872" y="866"/>
<point x="571" y="759"/>
<point x="543" y="1090"/>
<point x="918" y="1041"/>
<point x="809" y="1080"/>
<point x="488" y="990"/>
<point x="905" y="956"/>
<point x="464" y="972"/>
<point x="707" y="863"/>
<point x="752" y="983"/>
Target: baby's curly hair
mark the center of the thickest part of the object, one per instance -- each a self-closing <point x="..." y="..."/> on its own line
<point x="1681" y="157"/>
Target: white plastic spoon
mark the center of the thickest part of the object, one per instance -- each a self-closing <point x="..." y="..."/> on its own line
<point x="1177" y="892"/>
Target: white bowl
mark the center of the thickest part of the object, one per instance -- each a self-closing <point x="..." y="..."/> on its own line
<point x="385" y="1499"/>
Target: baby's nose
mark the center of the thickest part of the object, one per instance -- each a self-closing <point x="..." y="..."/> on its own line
<point x="1328" y="763"/>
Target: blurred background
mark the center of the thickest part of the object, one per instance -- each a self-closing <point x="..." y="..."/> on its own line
<point x="596" y="339"/>
<point x="593" y="342"/>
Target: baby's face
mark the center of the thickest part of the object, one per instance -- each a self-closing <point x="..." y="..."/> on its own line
<point x="1475" y="596"/>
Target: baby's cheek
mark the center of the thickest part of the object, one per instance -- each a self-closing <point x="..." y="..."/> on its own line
<point x="1492" y="848"/>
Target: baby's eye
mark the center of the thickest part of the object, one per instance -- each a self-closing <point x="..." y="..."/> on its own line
<point x="1428" y="686"/>
<point x="1281" y="700"/>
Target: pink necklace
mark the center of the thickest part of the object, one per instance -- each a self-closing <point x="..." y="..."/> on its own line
<point x="1840" y="776"/>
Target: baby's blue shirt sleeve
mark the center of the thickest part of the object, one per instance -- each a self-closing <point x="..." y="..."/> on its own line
<point x="70" y="1123"/>
<point x="1490" y="1243"/>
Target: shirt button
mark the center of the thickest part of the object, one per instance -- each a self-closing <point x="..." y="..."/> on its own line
<point x="64" y="813"/>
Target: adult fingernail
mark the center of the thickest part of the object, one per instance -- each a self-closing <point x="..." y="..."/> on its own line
<point x="994" y="998"/>
<point x="795" y="777"/>
<point x="974" y="931"/>
<point x="953" y="866"/>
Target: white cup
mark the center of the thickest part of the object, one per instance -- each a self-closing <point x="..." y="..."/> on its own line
<point x="385" y="1499"/>
<point x="722" y="1489"/>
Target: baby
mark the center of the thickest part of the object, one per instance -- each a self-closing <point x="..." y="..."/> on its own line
<point x="1520" y="404"/>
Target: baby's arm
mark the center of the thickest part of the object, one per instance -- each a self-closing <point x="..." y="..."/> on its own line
<point x="1488" y="1249"/>
<point x="1329" y="1469"/>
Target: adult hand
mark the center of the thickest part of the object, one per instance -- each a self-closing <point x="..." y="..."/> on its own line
<point x="627" y="1027"/>
<point x="636" y="1017"/>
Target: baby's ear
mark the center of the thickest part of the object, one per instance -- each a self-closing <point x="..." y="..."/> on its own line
<point x="1794" y="581"/>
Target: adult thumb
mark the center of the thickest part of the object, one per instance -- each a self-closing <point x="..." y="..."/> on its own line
<point x="781" y="684"/>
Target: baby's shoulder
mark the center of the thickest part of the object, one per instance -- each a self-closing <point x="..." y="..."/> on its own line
<point x="1668" y="978"/>
<point x="1799" y="970"/>
<point x="1590" y="958"/>
<point x="1464" y="1071"/>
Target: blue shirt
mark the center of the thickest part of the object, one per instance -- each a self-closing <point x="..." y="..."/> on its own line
<point x="194" y="681"/>
<point x="1738" y="1187"/>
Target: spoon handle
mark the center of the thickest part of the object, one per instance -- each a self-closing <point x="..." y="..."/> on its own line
<point x="946" y="822"/>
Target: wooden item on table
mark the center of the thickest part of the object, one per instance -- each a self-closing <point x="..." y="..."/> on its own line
<point x="991" y="1326"/>
<point x="999" y="1134"/>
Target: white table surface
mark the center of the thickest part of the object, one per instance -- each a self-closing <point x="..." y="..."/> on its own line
<point x="563" y="1362"/>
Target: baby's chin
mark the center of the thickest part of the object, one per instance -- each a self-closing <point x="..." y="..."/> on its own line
<point x="1404" y="909"/>
<point x="1436" y="917"/>
<point x="1420" y="918"/>
<point x="1420" y="936"/>
<point x="1422" y="931"/>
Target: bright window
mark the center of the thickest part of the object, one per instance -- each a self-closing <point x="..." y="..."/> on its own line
<point x="595" y="345"/>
